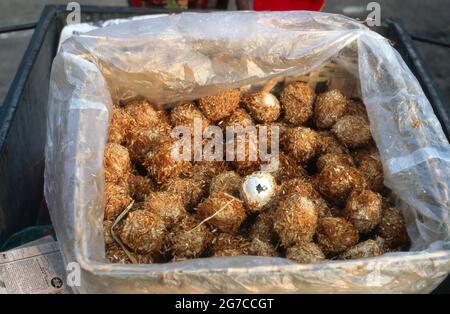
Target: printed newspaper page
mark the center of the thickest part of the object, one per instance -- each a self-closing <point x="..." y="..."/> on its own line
<point x="33" y="269"/>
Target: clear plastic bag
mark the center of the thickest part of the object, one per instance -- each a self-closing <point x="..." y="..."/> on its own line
<point x="189" y="55"/>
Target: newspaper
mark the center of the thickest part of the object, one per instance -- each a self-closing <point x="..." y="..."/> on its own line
<point x="33" y="269"/>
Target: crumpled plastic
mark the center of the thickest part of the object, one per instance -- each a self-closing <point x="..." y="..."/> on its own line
<point x="189" y="55"/>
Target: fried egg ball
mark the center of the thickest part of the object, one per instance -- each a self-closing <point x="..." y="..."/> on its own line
<point x="368" y="248"/>
<point x="330" y="144"/>
<point x="245" y="152"/>
<point x="160" y="162"/>
<point x="141" y="140"/>
<point x="262" y="228"/>
<point x="356" y="108"/>
<point x="305" y="253"/>
<point x="117" y="163"/>
<point x="364" y="152"/>
<point x="301" y="143"/>
<point x="207" y="170"/>
<point x="257" y="190"/>
<point x="261" y="248"/>
<point x="372" y="170"/>
<point x="223" y="211"/>
<point x="334" y="160"/>
<point x="116" y="200"/>
<point x="221" y="105"/>
<point x="230" y="245"/>
<point x="169" y="207"/>
<point x="295" y="219"/>
<point x="139" y="187"/>
<point x="335" y="235"/>
<point x="239" y="118"/>
<point x="304" y="188"/>
<point x="288" y="169"/>
<point x="189" y="239"/>
<point x="263" y="106"/>
<point x="363" y="210"/>
<point x="336" y="183"/>
<point x="228" y="182"/>
<point x="191" y="190"/>
<point x="392" y="228"/>
<point x="186" y="114"/>
<point x="352" y="131"/>
<point x="297" y="100"/>
<point x="143" y="231"/>
<point x="119" y="125"/>
<point x="329" y="107"/>
<point x="144" y="115"/>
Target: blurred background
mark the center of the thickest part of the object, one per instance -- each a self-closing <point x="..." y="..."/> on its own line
<point x="429" y="19"/>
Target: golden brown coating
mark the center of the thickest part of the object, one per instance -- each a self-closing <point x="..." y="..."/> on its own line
<point x="120" y="122"/>
<point x="116" y="200"/>
<point x="368" y="248"/>
<point x="356" y="108"/>
<point x="329" y="107"/>
<point x="334" y="160"/>
<point x="304" y="188"/>
<point x="239" y="118"/>
<point x="301" y="143"/>
<point x="188" y="239"/>
<point x="263" y="106"/>
<point x="107" y="225"/>
<point x="160" y="162"/>
<point x="191" y="190"/>
<point x="336" y="183"/>
<point x="228" y="182"/>
<point x="223" y="211"/>
<point x="144" y="115"/>
<point x="335" y="235"/>
<point x="364" y="152"/>
<point x="297" y="100"/>
<point x="372" y="170"/>
<point x="261" y="248"/>
<point x="288" y="169"/>
<point x="245" y="152"/>
<point x="206" y="170"/>
<point x="139" y="187"/>
<point x="295" y="219"/>
<point x="330" y="145"/>
<point x="305" y="253"/>
<point x="117" y="163"/>
<point x="221" y="105"/>
<point x="186" y="115"/>
<point x="140" y="140"/>
<point x="352" y="131"/>
<point x="143" y="231"/>
<point x="167" y="206"/>
<point x="115" y="254"/>
<point x="363" y="210"/>
<point x="230" y="245"/>
<point x="392" y="228"/>
<point x="262" y="228"/>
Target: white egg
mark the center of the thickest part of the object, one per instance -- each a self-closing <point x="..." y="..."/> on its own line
<point x="257" y="190"/>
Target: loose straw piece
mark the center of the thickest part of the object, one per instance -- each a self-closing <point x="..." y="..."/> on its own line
<point x="210" y="217"/>
<point x="116" y="238"/>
